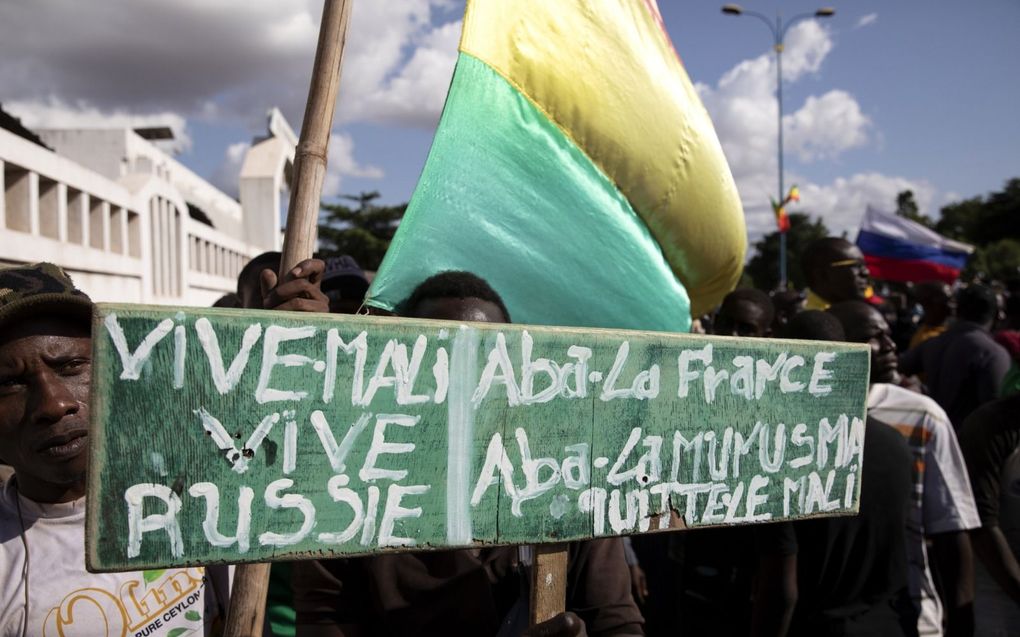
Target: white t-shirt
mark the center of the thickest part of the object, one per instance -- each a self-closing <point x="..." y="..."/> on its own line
<point x="943" y="500"/>
<point x="64" y="599"/>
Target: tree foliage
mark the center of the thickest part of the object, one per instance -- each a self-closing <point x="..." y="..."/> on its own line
<point x="906" y="206"/>
<point x="764" y="266"/>
<point x="363" y="232"/>
<point x="992" y="225"/>
<point x="999" y="260"/>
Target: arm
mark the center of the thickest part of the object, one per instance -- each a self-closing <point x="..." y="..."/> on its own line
<point x="638" y="580"/>
<point x="775" y="587"/>
<point x="599" y="590"/>
<point x="775" y="595"/>
<point x="993" y="550"/>
<point x="994" y="371"/>
<point x="952" y="555"/>
<point x="987" y="439"/>
<point x="948" y="511"/>
<point x="325" y="606"/>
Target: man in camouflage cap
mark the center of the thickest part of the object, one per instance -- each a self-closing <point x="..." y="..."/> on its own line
<point x="45" y="370"/>
<point x="45" y="353"/>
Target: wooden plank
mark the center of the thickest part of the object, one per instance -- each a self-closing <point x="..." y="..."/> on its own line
<point x="231" y="436"/>
<point x="548" y="582"/>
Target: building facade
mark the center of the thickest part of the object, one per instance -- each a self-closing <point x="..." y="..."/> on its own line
<point x="131" y="224"/>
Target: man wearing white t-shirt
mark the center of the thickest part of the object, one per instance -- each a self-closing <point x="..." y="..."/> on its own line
<point x="45" y="370"/>
<point x="45" y="355"/>
<point x="943" y="504"/>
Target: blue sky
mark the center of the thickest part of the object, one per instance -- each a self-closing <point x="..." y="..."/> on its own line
<point x="883" y="96"/>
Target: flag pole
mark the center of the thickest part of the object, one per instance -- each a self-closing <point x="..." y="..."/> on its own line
<point x="246" y="614"/>
<point x="548" y="582"/>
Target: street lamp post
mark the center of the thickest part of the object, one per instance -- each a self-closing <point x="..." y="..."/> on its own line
<point x="779" y="30"/>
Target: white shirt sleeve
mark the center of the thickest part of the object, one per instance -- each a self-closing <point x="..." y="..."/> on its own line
<point x="948" y="499"/>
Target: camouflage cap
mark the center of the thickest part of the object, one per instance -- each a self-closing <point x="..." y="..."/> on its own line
<point x="43" y="288"/>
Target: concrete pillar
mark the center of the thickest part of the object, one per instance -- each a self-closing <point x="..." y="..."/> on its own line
<point x="49" y="208"/>
<point x="122" y="214"/>
<point x="143" y="231"/>
<point x="97" y="227"/>
<point x="19" y="200"/>
<point x="135" y="233"/>
<point x="164" y="248"/>
<point x="33" y="202"/>
<point x="62" y="212"/>
<point x="157" y="252"/>
<point x="104" y="217"/>
<point x="183" y="239"/>
<point x="174" y="252"/>
<point x="83" y="218"/>
<point x="3" y="197"/>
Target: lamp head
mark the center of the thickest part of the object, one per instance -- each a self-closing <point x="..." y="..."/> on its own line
<point x="732" y="9"/>
<point x="825" y="12"/>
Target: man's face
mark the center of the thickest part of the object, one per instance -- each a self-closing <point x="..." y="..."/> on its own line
<point x="872" y="329"/>
<point x="45" y="368"/>
<point x="454" y="309"/>
<point x="938" y="305"/>
<point x="846" y="276"/>
<point x="740" y="318"/>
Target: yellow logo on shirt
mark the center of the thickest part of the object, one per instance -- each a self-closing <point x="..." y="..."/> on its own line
<point x="145" y="605"/>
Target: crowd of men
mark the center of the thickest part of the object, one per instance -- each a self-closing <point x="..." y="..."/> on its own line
<point x="933" y="551"/>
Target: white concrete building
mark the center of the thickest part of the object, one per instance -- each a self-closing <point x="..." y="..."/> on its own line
<point x="127" y="221"/>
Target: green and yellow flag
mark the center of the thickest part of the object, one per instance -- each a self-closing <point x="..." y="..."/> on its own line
<point x="576" y="170"/>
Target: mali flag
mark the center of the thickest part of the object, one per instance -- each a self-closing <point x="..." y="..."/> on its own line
<point x="575" y="169"/>
<point x="782" y="219"/>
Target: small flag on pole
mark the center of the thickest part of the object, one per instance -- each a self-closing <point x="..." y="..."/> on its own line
<point x="782" y="219"/>
<point x="576" y="170"/>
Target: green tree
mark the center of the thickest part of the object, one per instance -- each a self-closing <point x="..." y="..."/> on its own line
<point x="999" y="260"/>
<point x="960" y="220"/>
<point x="984" y="220"/>
<point x="992" y="225"/>
<point x="363" y="232"/>
<point x="764" y="265"/>
<point x="906" y="206"/>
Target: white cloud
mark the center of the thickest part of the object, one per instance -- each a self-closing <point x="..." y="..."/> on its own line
<point x="841" y="203"/>
<point x="55" y="113"/>
<point x="950" y="197"/>
<point x="399" y="65"/>
<point x="143" y="61"/>
<point x="743" y="107"/>
<point x="826" y="126"/>
<point x="415" y="93"/>
<point x="866" y="20"/>
<point x="227" y="174"/>
<point x="342" y="163"/>
<point x="226" y="58"/>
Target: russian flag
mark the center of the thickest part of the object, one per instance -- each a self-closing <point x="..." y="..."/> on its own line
<point x="898" y="249"/>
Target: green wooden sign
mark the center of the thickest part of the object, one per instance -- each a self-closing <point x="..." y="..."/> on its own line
<point x="240" y="436"/>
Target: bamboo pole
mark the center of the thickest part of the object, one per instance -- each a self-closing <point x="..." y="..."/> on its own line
<point x="313" y="147"/>
<point x="246" y="615"/>
<point x="548" y="582"/>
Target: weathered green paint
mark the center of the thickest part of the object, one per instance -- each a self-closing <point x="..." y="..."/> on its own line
<point x="148" y="435"/>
